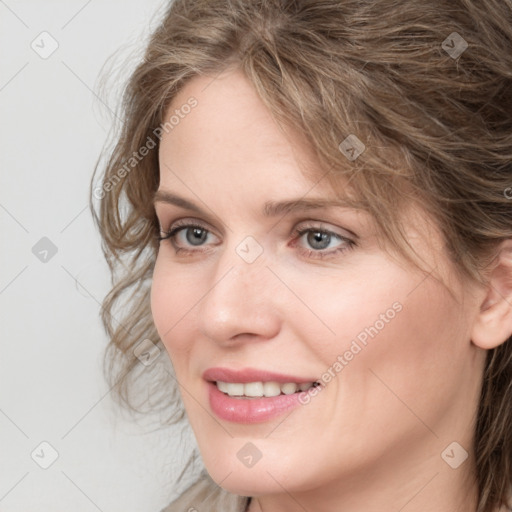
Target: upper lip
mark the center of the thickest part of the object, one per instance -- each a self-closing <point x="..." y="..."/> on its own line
<point x="250" y="375"/>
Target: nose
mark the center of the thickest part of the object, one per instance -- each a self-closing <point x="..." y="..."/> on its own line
<point x="241" y="302"/>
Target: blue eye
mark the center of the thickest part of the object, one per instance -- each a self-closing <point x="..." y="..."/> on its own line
<point x="185" y="235"/>
<point x="320" y="239"/>
<point x="195" y="235"/>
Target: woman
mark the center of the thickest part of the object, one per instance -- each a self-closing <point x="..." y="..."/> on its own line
<point x="309" y="203"/>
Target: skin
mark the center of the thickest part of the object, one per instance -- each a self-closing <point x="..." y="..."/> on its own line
<point x="372" y="439"/>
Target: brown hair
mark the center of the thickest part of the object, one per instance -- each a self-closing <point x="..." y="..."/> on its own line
<point x="426" y="87"/>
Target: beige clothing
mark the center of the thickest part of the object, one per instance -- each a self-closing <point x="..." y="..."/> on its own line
<point x="206" y="496"/>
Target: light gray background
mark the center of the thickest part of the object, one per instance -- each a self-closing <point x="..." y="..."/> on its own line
<point x="52" y="131"/>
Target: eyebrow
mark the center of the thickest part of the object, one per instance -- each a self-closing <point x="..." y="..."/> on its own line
<point x="270" y="209"/>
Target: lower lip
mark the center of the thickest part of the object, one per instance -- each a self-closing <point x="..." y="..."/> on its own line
<point x="249" y="410"/>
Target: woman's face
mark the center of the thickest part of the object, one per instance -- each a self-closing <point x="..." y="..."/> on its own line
<point x="310" y="295"/>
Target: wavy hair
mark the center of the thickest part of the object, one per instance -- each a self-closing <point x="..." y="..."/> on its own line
<point x="426" y="90"/>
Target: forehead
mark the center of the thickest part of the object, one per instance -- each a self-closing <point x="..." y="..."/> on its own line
<point x="230" y="136"/>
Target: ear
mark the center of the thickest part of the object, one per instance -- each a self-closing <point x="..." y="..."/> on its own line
<point x="493" y="325"/>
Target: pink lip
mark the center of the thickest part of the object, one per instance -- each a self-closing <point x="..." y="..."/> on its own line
<point x="251" y="410"/>
<point x="250" y="375"/>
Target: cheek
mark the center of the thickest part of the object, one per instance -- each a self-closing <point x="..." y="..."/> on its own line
<point x="349" y="312"/>
<point x="403" y="347"/>
<point x="393" y="324"/>
<point x="173" y="298"/>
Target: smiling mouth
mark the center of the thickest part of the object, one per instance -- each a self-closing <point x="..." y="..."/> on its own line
<point x="262" y="389"/>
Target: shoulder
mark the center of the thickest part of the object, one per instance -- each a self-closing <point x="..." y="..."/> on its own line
<point x="206" y="496"/>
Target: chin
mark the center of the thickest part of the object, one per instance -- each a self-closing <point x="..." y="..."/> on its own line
<point x="264" y="477"/>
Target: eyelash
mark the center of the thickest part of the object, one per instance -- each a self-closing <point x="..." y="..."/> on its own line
<point x="297" y="233"/>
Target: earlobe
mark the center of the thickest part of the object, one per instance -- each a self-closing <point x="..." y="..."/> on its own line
<point x="493" y="325"/>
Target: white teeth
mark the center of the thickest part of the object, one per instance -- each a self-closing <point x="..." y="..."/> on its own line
<point x="230" y="389"/>
<point x="289" y="388"/>
<point x="271" y="388"/>
<point x="253" y="389"/>
<point x="222" y="386"/>
<point x="261" y="389"/>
